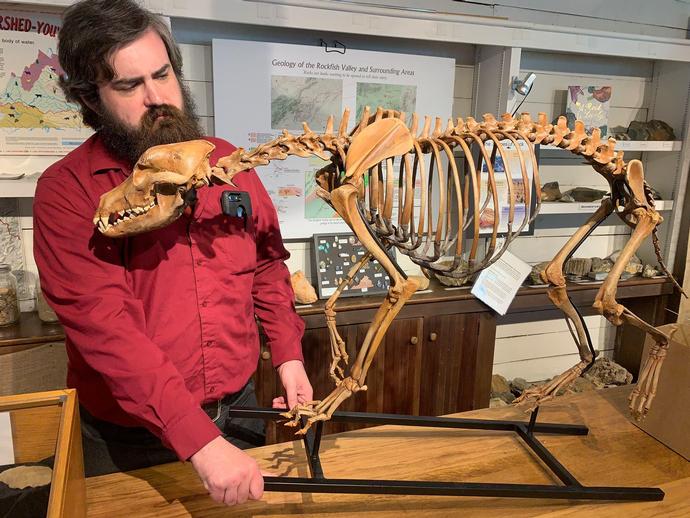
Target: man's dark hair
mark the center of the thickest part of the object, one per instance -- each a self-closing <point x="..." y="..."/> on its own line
<point x="92" y="30"/>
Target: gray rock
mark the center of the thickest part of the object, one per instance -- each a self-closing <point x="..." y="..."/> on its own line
<point x="651" y="130"/>
<point x="634" y="266"/>
<point x="650" y="271"/>
<point x="534" y="276"/>
<point x="601" y="265"/>
<point x="578" y="267"/>
<point x="582" y="195"/>
<point x="519" y="385"/>
<point x="580" y="384"/>
<point x="607" y="372"/>
<point x="447" y="280"/>
<point x="550" y="192"/>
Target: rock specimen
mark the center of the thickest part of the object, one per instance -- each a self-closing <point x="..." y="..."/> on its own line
<point x="304" y="292"/>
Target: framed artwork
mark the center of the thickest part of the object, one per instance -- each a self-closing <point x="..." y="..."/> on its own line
<point x="590" y="104"/>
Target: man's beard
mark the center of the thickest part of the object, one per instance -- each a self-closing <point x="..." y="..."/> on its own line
<point x="128" y="143"/>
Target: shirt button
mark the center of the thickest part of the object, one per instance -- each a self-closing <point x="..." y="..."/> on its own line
<point x="204" y="304"/>
<point x="212" y="390"/>
<point x="209" y="343"/>
<point x="199" y="262"/>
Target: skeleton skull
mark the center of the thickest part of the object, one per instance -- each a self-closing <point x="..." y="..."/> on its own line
<point x="153" y="196"/>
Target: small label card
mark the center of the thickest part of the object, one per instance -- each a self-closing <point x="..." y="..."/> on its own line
<point x="497" y="285"/>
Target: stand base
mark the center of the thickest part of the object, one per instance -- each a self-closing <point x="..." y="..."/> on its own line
<point x="571" y="488"/>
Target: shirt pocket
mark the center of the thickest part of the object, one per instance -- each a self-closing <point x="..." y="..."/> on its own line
<point x="235" y="245"/>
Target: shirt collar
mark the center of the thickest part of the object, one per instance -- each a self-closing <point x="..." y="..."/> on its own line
<point x="100" y="159"/>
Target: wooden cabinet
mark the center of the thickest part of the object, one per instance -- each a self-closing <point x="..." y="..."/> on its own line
<point x="456" y="363"/>
<point x="427" y="364"/>
<point x="437" y="356"/>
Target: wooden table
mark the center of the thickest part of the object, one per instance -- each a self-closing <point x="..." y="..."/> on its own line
<point x="615" y="453"/>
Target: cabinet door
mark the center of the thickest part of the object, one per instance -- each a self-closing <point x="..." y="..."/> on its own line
<point x="393" y="378"/>
<point x="392" y="381"/>
<point x="457" y="360"/>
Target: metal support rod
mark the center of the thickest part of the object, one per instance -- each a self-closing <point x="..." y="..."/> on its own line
<point x="411" y="420"/>
<point x="545" y="455"/>
<point x="572" y="490"/>
<point x="404" y="487"/>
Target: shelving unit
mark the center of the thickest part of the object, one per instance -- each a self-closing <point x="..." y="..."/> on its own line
<point x="557" y="207"/>
<point x="638" y="145"/>
<point x="21" y="188"/>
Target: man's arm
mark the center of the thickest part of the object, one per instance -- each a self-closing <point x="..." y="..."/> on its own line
<point x="84" y="280"/>
<point x="274" y="302"/>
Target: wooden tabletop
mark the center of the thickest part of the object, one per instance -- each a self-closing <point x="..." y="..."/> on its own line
<point x="615" y="453"/>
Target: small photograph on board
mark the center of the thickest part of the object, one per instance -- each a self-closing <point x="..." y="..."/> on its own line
<point x="590" y="104"/>
<point x="335" y="255"/>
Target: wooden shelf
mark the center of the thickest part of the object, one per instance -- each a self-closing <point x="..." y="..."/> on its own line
<point x="637" y="145"/>
<point x="22" y="188"/>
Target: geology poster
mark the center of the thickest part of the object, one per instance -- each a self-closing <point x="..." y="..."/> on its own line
<point x="261" y="88"/>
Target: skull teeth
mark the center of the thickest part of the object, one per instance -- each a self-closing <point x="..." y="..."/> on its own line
<point x="103" y="223"/>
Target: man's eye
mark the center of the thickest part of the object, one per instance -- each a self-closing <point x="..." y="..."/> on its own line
<point x="162" y="76"/>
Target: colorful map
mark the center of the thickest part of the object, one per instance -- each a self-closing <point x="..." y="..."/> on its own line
<point x="35" y="117"/>
<point x="34" y="100"/>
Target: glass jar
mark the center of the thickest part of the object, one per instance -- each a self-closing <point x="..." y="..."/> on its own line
<point x="9" y="307"/>
<point x="45" y="312"/>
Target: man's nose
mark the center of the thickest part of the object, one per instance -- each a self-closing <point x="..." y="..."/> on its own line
<point x="153" y="94"/>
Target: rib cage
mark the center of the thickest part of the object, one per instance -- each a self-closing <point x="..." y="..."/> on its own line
<point x="449" y="227"/>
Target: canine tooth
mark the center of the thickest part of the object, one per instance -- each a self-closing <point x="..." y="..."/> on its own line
<point x="121" y="212"/>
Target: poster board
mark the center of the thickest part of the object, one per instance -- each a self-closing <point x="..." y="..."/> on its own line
<point x="334" y="255"/>
<point x="35" y="117"/>
<point x="486" y="221"/>
<point x="262" y="88"/>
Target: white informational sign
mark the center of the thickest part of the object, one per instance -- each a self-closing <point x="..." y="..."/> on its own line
<point x="260" y="88"/>
<point x="35" y="118"/>
<point x="497" y="285"/>
<point x="486" y="222"/>
<point x="6" y="444"/>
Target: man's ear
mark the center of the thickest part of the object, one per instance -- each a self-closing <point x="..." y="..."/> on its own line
<point x="93" y="105"/>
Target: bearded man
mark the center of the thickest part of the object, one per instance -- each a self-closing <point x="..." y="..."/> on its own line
<point x="160" y="328"/>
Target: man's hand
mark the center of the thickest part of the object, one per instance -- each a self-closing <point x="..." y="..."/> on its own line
<point x="230" y="475"/>
<point x="296" y="384"/>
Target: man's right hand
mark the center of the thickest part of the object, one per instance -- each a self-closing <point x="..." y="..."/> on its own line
<point x="229" y="474"/>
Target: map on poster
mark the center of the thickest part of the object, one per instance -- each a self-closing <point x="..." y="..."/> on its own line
<point x="282" y="86"/>
<point x="11" y="244"/>
<point x="35" y="118"/>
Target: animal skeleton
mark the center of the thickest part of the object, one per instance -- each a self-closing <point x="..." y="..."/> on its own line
<point x="155" y="194"/>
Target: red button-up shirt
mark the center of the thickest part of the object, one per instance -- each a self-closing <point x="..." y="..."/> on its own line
<point x="159" y="323"/>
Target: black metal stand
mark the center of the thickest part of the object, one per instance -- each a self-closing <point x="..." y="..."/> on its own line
<point x="571" y="488"/>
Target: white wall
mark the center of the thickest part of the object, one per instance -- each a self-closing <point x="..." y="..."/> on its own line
<point x="519" y="349"/>
<point x="666" y="18"/>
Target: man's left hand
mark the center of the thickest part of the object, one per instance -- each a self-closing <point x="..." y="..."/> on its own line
<point x="296" y="384"/>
